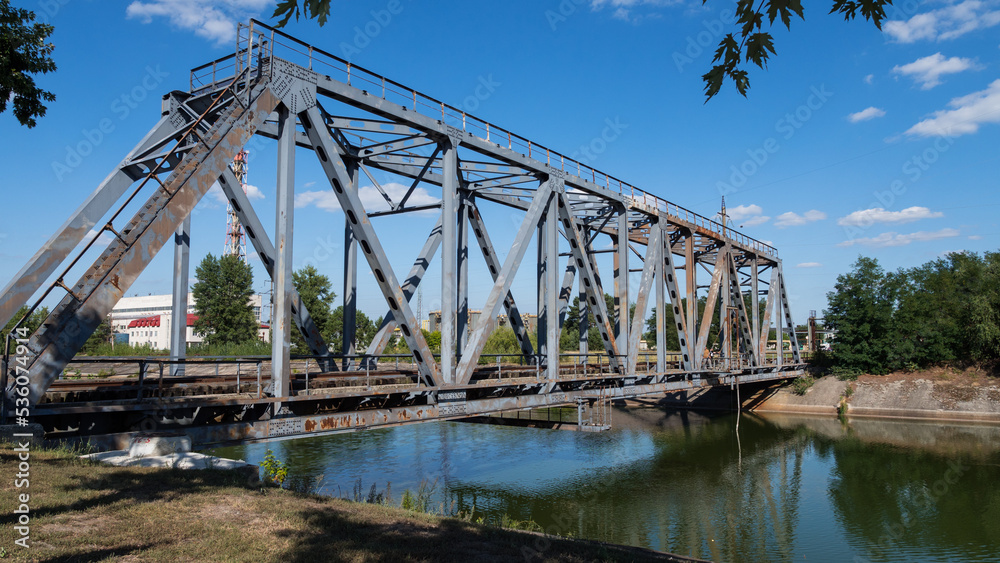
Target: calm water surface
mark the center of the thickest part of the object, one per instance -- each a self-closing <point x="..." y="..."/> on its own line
<point x="787" y="488"/>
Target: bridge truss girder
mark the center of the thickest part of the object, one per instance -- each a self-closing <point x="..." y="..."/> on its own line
<point x="280" y="99"/>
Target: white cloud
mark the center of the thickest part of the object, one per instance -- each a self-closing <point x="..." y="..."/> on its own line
<point x="975" y="237"/>
<point x="928" y="71"/>
<point x="253" y="192"/>
<point x="216" y="193"/>
<point x="370" y="197"/>
<point x="895" y="239"/>
<point x="866" y="114"/>
<point x="103" y="240"/>
<point x="211" y="19"/>
<point x="967" y="114"/>
<point x="809" y="265"/>
<point x="747" y="215"/>
<point x="792" y="219"/>
<point x="867" y="217"/>
<point x="754" y="221"/>
<point x="954" y="20"/>
<point x="869" y="79"/>
<point x="625" y="9"/>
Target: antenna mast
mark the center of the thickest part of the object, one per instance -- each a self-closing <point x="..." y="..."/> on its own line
<point x="236" y="242"/>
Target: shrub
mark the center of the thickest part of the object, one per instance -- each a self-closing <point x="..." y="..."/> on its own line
<point x="845" y="373"/>
<point x="275" y="470"/>
<point x="802" y="384"/>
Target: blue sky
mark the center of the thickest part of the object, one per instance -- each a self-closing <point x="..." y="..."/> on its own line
<point x="854" y="141"/>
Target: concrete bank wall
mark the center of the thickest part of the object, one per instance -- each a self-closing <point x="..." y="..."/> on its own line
<point x="891" y="397"/>
<point x="894" y="396"/>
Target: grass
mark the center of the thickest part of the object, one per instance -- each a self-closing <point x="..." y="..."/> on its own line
<point x="802" y="384"/>
<point x="90" y="512"/>
<point x="250" y="348"/>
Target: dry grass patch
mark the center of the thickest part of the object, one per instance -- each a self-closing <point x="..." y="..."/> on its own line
<point x="88" y="512"/>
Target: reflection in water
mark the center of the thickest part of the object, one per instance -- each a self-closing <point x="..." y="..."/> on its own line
<point x="793" y="487"/>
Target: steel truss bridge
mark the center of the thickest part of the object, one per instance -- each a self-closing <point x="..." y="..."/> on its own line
<point x="357" y="122"/>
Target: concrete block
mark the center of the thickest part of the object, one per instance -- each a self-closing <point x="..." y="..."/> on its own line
<point x="158" y="444"/>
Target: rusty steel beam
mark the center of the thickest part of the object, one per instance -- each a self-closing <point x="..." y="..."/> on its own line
<point x="80" y="312"/>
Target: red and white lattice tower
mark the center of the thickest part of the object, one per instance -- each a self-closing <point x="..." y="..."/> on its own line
<point x="236" y="241"/>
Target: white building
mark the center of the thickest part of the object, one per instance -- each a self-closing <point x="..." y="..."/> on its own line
<point x="146" y="320"/>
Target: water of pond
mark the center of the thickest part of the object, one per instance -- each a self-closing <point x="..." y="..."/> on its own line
<point x="785" y="488"/>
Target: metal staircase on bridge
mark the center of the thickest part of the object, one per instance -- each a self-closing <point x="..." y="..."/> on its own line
<point x="356" y="121"/>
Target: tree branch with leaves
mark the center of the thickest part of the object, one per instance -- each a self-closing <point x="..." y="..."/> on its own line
<point x="756" y="45"/>
<point x="750" y="44"/>
<point x="23" y="53"/>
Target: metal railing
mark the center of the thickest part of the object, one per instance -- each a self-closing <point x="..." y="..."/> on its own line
<point x="270" y="40"/>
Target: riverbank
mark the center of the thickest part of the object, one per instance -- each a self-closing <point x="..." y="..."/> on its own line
<point x="86" y="511"/>
<point x="939" y="394"/>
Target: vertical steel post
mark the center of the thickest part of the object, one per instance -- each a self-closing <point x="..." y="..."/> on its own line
<point x="755" y="311"/>
<point x="178" y="311"/>
<point x="541" y="324"/>
<point x="347" y="345"/>
<point x="285" y="203"/>
<point x="691" y="288"/>
<point x="661" y="307"/>
<point x="462" y="326"/>
<point x="621" y="283"/>
<point x="779" y="335"/>
<point x="449" y="261"/>
<point x="584" y="320"/>
<point x="725" y="294"/>
<point x="552" y="287"/>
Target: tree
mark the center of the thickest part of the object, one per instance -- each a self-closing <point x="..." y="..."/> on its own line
<point x="860" y="309"/>
<point x="102" y="335"/>
<point x="365" y="330"/>
<point x="316" y="292"/>
<point x="757" y="46"/>
<point x="31" y="324"/>
<point x="754" y="45"/>
<point x="23" y="53"/>
<point x="222" y="301"/>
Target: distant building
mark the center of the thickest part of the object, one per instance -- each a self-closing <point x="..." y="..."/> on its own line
<point x="434" y="321"/>
<point x="154" y="331"/>
<point x="154" y="312"/>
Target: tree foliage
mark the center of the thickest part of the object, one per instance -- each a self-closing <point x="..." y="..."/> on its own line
<point x="100" y="339"/>
<point x="24" y="52"/>
<point x="31" y="324"/>
<point x="752" y="42"/>
<point x="222" y="301"/>
<point x="364" y="330"/>
<point x="316" y="292"/>
<point x="947" y="310"/>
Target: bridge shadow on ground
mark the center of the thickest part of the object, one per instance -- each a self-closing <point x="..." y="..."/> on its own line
<point x="82" y="511"/>
<point x="719" y="398"/>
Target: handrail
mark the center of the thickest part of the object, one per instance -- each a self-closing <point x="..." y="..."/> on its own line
<point x="378" y="85"/>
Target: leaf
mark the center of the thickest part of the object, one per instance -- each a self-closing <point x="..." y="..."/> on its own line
<point x="760" y="46"/>
<point x="871" y="10"/>
<point x="286" y="8"/>
<point x="713" y="81"/>
<point x="320" y="9"/>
